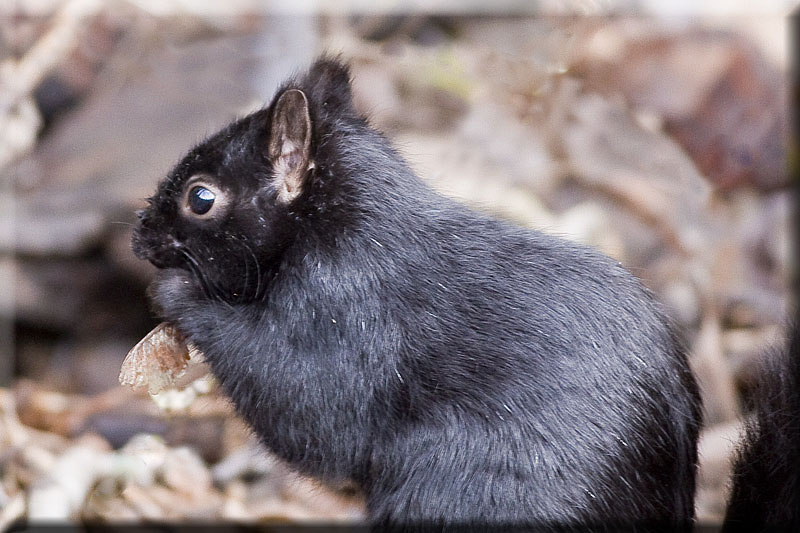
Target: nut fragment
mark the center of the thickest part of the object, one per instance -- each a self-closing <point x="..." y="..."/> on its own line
<point x="157" y="360"/>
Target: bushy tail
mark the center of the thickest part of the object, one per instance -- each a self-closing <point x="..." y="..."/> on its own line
<point x="766" y="476"/>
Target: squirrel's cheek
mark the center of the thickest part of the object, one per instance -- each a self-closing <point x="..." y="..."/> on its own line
<point x="172" y="293"/>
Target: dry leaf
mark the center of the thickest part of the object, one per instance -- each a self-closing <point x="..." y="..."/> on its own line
<point x="157" y="360"/>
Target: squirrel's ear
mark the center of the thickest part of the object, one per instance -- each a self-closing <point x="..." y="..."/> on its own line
<point x="289" y="148"/>
<point x="328" y="83"/>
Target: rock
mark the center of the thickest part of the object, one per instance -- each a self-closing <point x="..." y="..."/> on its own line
<point x="251" y="459"/>
<point x="751" y="263"/>
<point x="682" y="300"/>
<point x="588" y="223"/>
<point x="145" y="503"/>
<point x="707" y="359"/>
<point x="460" y="172"/>
<point x="11" y="510"/>
<point x="719" y="96"/>
<point x="715" y="451"/>
<point x="150" y="451"/>
<point x="611" y="153"/>
<point x="59" y="494"/>
<point x="184" y="471"/>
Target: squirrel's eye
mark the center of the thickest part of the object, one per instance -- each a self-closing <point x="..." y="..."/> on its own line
<point x="200" y="200"/>
<point x="203" y="199"/>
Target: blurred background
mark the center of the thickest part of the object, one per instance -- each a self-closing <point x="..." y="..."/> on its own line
<point x="658" y="135"/>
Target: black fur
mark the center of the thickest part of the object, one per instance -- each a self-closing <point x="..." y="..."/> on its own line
<point x="459" y="369"/>
<point x="766" y="479"/>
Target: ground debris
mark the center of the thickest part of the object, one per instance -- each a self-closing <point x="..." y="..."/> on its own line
<point x="48" y="478"/>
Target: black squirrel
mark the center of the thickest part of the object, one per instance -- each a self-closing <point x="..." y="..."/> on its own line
<point x="458" y="369"/>
<point x="765" y="489"/>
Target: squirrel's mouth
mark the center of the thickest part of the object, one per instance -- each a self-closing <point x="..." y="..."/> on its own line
<point x="162" y="252"/>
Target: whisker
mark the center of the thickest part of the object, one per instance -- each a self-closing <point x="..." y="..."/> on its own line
<point x="258" y="276"/>
<point x="246" y="279"/>
<point x="252" y="254"/>
<point x="213" y="290"/>
<point x="198" y="272"/>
